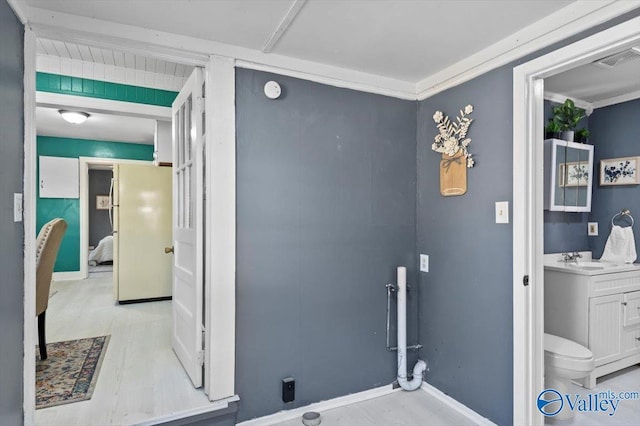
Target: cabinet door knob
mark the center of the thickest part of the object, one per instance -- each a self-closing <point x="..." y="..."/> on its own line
<point x="168" y="249"/>
<point x="624" y="303"/>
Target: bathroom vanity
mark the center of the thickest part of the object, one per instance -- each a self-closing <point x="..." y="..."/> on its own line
<point x="597" y="305"/>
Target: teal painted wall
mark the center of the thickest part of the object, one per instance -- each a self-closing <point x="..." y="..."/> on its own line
<point x="67" y="85"/>
<point x="69" y="208"/>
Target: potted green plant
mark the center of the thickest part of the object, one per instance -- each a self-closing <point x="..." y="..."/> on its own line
<point x="582" y="135"/>
<point x="567" y="115"/>
<point x="552" y="130"/>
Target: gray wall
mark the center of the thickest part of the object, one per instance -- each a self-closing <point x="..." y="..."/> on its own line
<point x="466" y="300"/>
<point x="11" y="234"/>
<point x="466" y="297"/>
<point x="325" y="213"/>
<point x="564" y="231"/>
<point x="614" y="133"/>
<point x="99" y="225"/>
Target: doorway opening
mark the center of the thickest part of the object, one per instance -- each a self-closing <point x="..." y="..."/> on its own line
<point x="211" y="388"/>
<point x="528" y="238"/>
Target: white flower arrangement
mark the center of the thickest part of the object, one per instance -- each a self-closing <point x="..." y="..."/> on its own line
<point x="452" y="135"/>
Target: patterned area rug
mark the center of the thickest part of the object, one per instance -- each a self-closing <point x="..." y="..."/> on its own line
<point x="70" y="372"/>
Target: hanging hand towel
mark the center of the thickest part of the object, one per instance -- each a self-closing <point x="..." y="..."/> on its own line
<point x="621" y="245"/>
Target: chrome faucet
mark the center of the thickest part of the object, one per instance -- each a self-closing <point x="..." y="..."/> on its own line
<point x="571" y="257"/>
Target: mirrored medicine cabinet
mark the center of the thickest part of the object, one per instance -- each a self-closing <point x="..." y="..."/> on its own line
<point x="568" y="176"/>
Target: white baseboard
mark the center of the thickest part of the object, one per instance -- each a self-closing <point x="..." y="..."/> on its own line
<point x="296" y="413"/>
<point x="214" y="406"/>
<point x="458" y="406"/>
<point x="67" y="276"/>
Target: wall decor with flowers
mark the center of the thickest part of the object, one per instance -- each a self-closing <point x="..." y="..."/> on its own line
<point x="620" y="171"/>
<point x="452" y="142"/>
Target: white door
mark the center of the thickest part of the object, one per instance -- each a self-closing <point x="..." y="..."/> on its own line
<point x="187" y="111"/>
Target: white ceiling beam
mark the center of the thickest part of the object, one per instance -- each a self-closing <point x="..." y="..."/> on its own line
<point x="21" y="9"/>
<point x="104" y="106"/>
<point x="284" y="25"/>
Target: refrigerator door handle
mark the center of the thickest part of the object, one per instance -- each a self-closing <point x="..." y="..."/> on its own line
<point x="111" y="205"/>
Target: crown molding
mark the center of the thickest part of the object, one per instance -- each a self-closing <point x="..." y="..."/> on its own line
<point x="560" y="98"/>
<point x="568" y="21"/>
<point x="617" y="99"/>
<point x="20" y="8"/>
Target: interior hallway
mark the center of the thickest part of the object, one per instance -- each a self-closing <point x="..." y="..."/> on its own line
<point x="141" y="378"/>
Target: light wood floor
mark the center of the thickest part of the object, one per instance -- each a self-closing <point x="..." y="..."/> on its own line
<point x="396" y="409"/>
<point x="140" y="378"/>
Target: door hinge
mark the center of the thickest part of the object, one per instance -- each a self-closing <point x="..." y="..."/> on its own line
<point x="201" y="357"/>
<point x="525" y="280"/>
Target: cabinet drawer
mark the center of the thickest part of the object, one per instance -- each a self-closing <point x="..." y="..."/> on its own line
<point x="631" y="308"/>
<point x="631" y="341"/>
<point x="605" y="284"/>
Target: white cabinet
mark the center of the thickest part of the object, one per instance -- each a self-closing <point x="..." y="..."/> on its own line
<point x="162" y="148"/>
<point x="599" y="311"/>
<point x="605" y="323"/>
<point x="568" y="176"/>
<point x="59" y="177"/>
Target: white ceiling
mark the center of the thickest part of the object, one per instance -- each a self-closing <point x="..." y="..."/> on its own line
<point x="406" y="40"/>
<point x="98" y="127"/>
<point x="595" y="84"/>
<point x="110" y="57"/>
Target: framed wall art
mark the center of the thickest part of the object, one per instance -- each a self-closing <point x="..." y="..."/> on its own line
<point x="102" y="202"/>
<point x="619" y="171"/>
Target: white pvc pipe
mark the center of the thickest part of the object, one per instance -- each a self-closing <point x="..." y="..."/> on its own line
<point x="420" y="366"/>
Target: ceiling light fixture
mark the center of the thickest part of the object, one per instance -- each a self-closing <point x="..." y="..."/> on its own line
<point x="74" y="117"/>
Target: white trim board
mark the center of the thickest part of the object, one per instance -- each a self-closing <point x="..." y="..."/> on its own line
<point x="105" y="106"/>
<point x="213" y="407"/>
<point x="560" y="98"/>
<point x="341" y="401"/>
<point x="577" y="17"/>
<point x="528" y="166"/>
<point x="617" y="99"/>
<point x="473" y="417"/>
<point x="29" y="214"/>
<point x="68" y="276"/>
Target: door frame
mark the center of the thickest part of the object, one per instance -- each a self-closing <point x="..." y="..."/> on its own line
<point x="528" y="168"/>
<point x="85" y="164"/>
<point x="220" y="162"/>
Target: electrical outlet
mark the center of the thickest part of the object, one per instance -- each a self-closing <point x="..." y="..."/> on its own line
<point x="592" y="229"/>
<point x="424" y="263"/>
<point x="288" y="389"/>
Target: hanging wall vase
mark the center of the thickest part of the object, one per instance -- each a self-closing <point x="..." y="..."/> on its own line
<point x="453" y="174"/>
<point x="452" y="142"/>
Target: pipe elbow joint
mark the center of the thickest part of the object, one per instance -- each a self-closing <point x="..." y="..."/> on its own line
<point x="416" y="381"/>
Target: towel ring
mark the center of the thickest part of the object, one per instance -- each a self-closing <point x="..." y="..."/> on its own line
<point x="622" y="213"/>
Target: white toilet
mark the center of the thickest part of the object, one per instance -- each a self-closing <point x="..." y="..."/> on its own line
<point x="565" y="360"/>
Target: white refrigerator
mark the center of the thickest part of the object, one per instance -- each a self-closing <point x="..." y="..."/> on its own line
<point x="142" y="229"/>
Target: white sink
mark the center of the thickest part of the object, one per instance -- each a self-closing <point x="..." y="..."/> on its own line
<point x="591" y="265"/>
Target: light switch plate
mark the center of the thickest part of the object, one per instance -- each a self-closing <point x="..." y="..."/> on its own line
<point x="592" y="229"/>
<point x="424" y="263"/>
<point x="17" y="207"/>
<point x="502" y="212"/>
